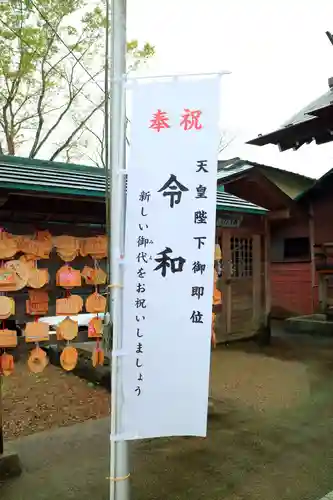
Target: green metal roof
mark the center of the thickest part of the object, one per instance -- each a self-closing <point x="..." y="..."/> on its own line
<point x="229" y="202"/>
<point x="23" y="174"/>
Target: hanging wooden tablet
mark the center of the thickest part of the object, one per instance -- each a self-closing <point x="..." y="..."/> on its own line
<point x="21" y="273"/>
<point x="38" y="295"/>
<point x="8" y="338"/>
<point x="77" y="301"/>
<point x="38" y="360"/>
<point x="8" y="245"/>
<point x="95" y="246"/>
<point x="45" y="238"/>
<point x="100" y="249"/>
<point x="100" y="276"/>
<point x="7" y="307"/>
<point x="34" y="248"/>
<point x="95" y="303"/>
<point x="69" y="358"/>
<point x="68" y="329"/>
<point x="66" y="256"/>
<point x="6" y="364"/>
<point x="36" y="332"/>
<point x="67" y="247"/>
<point x="69" y="306"/>
<point x="38" y="277"/>
<point x="7" y="280"/>
<point x="38" y="303"/>
<point x="95" y="327"/>
<point x="36" y="308"/>
<point x="94" y="276"/>
<point x="68" y="278"/>
<point x="97" y="357"/>
<point x="28" y="261"/>
<point x="65" y="242"/>
<point x="87" y="274"/>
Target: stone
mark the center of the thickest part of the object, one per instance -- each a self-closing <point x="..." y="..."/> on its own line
<point x="10" y="465"/>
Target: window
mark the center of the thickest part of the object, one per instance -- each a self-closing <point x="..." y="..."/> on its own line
<point x="241" y="257"/>
<point x="296" y="248"/>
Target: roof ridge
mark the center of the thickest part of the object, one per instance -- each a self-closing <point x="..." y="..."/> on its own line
<point x="239" y="162"/>
<point x="10" y="160"/>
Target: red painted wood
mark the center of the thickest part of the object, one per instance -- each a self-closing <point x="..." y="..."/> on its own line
<point x="323" y="220"/>
<point x="291" y="288"/>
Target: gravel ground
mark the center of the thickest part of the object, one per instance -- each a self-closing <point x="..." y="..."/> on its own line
<point x="262" y="383"/>
<point x="270" y="436"/>
<point x="54" y="398"/>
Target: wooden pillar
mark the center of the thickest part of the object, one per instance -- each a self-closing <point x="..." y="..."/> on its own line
<point x="322" y="292"/>
<point x="227" y="301"/>
<point x="256" y="281"/>
<point x="312" y="255"/>
<point x="267" y="271"/>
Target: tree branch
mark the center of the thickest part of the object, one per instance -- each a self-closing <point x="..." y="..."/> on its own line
<point x="101" y="145"/>
<point x="75" y="132"/>
<point x="225" y="143"/>
<point x="61" y="116"/>
<point x="95" y="162"/>
<point x="42" y="95"/>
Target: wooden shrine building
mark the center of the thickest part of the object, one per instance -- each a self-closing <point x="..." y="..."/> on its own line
<point x="313" y="228"/>
<point x="70" y="199"/>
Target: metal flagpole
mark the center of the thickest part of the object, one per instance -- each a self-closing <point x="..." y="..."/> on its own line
<point x="119" y="467"/>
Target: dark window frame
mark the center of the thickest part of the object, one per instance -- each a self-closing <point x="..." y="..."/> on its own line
<point x="296" y="249"/>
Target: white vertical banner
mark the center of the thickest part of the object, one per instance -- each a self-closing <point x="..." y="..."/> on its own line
<point x="169" y="257"/>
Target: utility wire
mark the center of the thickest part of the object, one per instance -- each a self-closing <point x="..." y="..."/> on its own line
<point x="47" y="62"/>
<point x="65" y="44"/>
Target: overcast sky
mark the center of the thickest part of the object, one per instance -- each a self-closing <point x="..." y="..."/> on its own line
<point x="278" y="54"/>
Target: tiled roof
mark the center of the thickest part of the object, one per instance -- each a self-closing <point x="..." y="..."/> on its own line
<point x="59" y="178"/>
<point x="229" y="202"/>
<point x="308" y="113"/>
<point x="79" y="180"/>
<point x="230" y="171"/>
<point x="309" y="124"/>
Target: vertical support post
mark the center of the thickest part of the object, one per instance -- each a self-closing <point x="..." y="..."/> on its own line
<point x="256" y="282"/>
<point x="312" y="256"/>
<point x="227" y="302"/>
<point x="267" y="267"/>
<point x="119" y="467"/>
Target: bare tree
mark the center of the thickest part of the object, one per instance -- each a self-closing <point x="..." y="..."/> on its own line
<point x="225" y="141"/>
<point x="51" y="85"/>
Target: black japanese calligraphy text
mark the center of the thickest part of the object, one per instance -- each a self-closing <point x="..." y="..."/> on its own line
<point x="165" y="261"/>
<point x="174" y="189"/>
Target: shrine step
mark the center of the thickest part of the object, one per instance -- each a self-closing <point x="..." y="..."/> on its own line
<point x="312" y="324"/>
